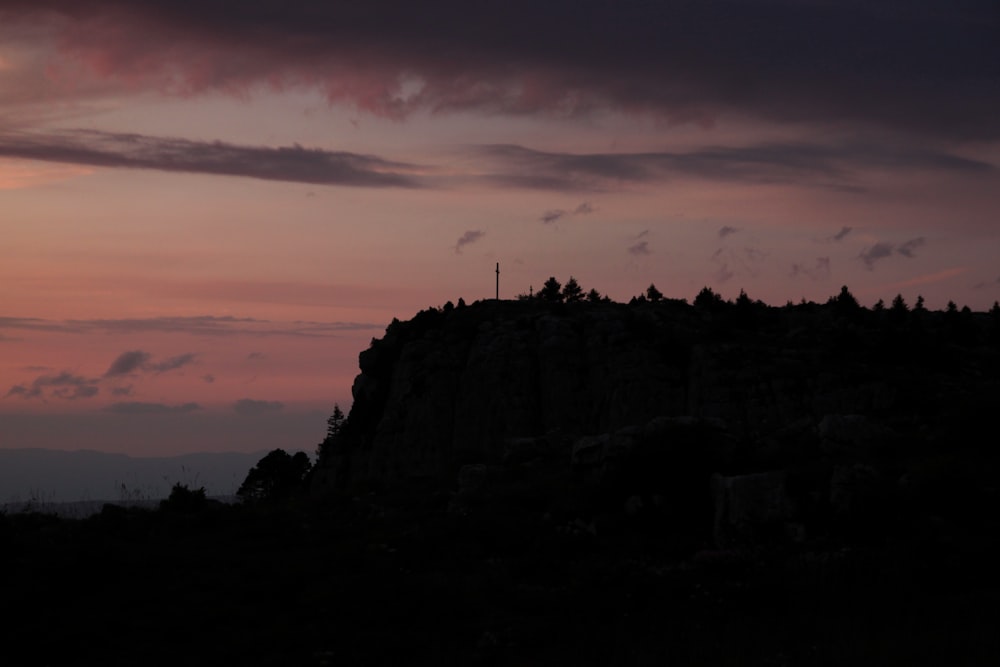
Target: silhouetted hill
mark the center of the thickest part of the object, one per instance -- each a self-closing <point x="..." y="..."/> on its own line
<point x="829" y="385"/>
<point x="582" y="484"/>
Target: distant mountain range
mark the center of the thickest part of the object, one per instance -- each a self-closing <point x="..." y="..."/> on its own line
<point x="45" y="477"/>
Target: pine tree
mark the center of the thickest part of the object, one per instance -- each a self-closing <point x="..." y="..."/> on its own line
<point x="551" y="290"/>
<point x="334" y="427"/>
<point x="571" y="291"/>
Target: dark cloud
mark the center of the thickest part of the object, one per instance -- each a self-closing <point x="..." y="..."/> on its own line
<point x="81" y="391"/>
<point x="639" y="249"/>
<point x="64" y="385"/>
<point x="249" y="406"/>
<point x="839" y="236"/>
<point x="824" y="166"/>
<point x="920" y="67"/>
<point x="468" y="237"/>
<point x="32" y="324"/>
<point x="208" y="378"/>
<point x="137" y="361"/>
<point x="555" y="214"/>
<point x="726" y="230"/>
<point x="552" y="216"/>
<point x="882" y="249"/>
<point x="819" y="271"/>
<point x="140" y="408"/>
<point x="874" y="253"/>
<point x="128" y="363"/>
<point x="173" y="363"/>
<point x="23" y="391"/>
<point x="205" y="325"/>
<point x="290" y="163"/>
<point x="906" y="249"/>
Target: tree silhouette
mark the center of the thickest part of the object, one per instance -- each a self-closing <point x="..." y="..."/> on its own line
<point x="846" y="301"/>
<point x="551" y="290"/>
<point x="593" y="296"/>
<point x="571" y="291"/>
<point x="276" y="477"/>
<point x="653" y="294"/>
<point x="334" y="427"/>
<point x="707" y="298"/>
<point x="184" y="500"/>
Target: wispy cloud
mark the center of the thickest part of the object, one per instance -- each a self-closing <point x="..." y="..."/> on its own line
<point x="639" y="249"/>
<point x="135" y="361"/>
<point x="906" y="249"/>
<point x="127" y="363"/>
<point x="835" y="166"/>
<point x="842" y="234"/>
<point x="883" y="249"/>
<point x="64" y="385"/>
<point x="726" y="230"/>
<point x="471" y="236"/>
<point x="205" y="325"/>
<point x="552" y="215"/>
<point x="173" y="363"/>
<point x="134" y="151"/>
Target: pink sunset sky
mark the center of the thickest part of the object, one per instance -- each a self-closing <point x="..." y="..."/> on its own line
<point x="208" y="209"/>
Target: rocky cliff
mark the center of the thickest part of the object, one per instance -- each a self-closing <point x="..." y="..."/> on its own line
<point x="746" y="388"/>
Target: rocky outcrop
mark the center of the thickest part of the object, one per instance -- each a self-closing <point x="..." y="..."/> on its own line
<point x="752" y="394"/>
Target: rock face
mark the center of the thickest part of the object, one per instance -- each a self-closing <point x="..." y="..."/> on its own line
<point x="498" y="383"/>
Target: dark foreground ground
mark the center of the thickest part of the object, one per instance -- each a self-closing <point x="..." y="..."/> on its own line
<point x="411" y="577"/>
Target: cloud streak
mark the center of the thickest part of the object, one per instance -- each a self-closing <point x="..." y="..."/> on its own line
<point x="834" y="167"/>
<point x="203" y="325"/>
<point x="133" y="151"/>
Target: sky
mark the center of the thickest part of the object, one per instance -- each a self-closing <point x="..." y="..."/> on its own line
<point x="208" y="209"/>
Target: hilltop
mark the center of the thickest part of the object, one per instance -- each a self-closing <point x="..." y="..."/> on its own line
<point x="826" y="407"/>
